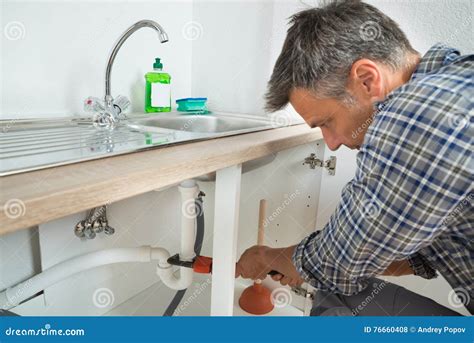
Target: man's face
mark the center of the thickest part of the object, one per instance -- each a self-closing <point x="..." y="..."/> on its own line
<point x="341" y="124"/>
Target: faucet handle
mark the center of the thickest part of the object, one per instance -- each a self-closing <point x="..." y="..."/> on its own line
<point x="93" y="104"/>
<point x="108" y="112"/>
<point x="105" y="119"/>
<point x="121" y="103"/>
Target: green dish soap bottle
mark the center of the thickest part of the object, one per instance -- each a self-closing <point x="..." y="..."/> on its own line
<point x="157" y="89"/>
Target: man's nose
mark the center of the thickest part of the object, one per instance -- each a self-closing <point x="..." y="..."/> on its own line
<point x="331" y="141"/>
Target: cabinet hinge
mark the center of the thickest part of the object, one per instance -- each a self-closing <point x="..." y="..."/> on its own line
<point x="314" y="162"/>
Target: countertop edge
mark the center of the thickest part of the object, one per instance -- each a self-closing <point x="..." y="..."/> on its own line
<point x="36" y="197"/>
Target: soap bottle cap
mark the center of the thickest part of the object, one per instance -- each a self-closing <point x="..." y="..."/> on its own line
<point x="157" y="64"/>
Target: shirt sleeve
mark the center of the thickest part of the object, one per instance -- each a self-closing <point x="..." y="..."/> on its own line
<point x="421" y="267"/>
<point x="412" y="171"/>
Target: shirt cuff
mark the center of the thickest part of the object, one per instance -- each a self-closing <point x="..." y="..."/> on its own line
<point x="307" y="262"/>
<point x="298" y="257"/>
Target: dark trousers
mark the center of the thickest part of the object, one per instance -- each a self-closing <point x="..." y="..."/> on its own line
<point x="380" y="298"/>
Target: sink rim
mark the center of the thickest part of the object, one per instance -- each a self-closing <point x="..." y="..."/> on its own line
<point x="261" y="123"/>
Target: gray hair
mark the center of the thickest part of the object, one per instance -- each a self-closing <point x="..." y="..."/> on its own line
<point x="322" y="44"/>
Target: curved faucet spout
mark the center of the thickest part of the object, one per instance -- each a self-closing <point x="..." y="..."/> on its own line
<point x="138" y="25"/>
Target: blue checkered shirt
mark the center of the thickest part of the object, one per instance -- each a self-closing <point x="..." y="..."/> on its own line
<point x="412" y="196"/>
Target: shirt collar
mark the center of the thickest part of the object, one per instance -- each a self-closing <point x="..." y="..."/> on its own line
<point x="437" y="56"/>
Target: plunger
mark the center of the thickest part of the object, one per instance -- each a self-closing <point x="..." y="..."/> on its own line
<point x="256" y="299"/>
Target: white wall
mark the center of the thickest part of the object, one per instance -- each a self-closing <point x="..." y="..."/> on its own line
<point x="231" y="53"/>
<point x="61" y="52"/>
<point x="224" y="50"/>
<point x="427" y="22"/>
<point x="236" y="43"/>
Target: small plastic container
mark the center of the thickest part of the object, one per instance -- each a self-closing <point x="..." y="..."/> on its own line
<point x="192" y="105"/>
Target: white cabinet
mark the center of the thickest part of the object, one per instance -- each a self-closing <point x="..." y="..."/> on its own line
<point x="297" y="196"/>
<point x="301" y="199"/>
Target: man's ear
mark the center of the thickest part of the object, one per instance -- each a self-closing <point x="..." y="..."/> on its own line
<point x="366" y="79"/>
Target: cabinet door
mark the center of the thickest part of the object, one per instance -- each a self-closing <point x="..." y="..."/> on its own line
<point x="331" y="185"/>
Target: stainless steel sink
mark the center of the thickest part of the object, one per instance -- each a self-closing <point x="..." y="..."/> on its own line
<point x="212" y="125"/>
<point x="31" y="144"/>
<point x="205" y="123"/>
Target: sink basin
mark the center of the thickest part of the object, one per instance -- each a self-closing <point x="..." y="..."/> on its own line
<point x="205" y="123"/>
<point x="208" y="126"/>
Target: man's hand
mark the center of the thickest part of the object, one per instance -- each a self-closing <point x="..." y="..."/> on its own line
<point x="398" y="268"/>
<point x="257" y="261"/>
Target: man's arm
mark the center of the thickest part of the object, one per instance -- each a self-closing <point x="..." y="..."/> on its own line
<point x="257" y="261"/>
<point x="398" y="268"/>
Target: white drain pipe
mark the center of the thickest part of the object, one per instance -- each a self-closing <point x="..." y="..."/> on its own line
<point x="189" y="190"/>
<point x="14" y="295"/>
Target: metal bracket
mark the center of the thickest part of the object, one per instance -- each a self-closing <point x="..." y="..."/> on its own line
<point x="95" y="222"/>
<point x="299" y="290"/>
<point x="314" y="162"/>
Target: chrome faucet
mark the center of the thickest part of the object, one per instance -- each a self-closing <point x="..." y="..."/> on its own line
<point x="110" y="111"/>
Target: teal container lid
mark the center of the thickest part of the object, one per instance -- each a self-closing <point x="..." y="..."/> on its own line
<point x="191" y="100"/>
<point x="157" y="64"/>
<point x="192" y="105"/>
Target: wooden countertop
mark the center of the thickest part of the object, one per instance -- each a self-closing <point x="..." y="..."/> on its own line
<point x="36" y="197"/>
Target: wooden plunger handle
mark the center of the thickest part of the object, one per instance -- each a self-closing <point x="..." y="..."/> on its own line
<point x="261" y="227"/>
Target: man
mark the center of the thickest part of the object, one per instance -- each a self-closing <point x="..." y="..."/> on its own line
<point x="348" y="69"/>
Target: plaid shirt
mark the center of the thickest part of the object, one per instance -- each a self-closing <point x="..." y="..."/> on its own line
<point x="412" y="196"/>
